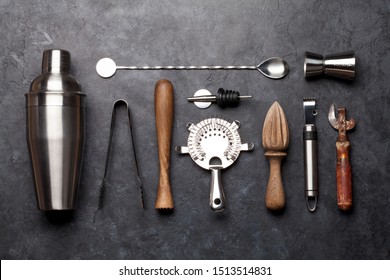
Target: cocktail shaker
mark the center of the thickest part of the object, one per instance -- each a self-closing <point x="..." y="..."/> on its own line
<point x="56" y="132"/>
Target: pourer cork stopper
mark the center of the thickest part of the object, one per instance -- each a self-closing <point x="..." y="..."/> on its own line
<point x="56" y="61"/>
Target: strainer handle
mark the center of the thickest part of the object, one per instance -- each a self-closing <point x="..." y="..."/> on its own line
<point x="217" y="196"/>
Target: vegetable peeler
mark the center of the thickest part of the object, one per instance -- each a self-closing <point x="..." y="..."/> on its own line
<point x="310" y="151"/>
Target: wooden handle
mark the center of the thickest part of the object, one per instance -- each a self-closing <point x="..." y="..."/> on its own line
<point x="344" y="176"/>
<point x="274" y="196"/>
<point x="163" y="97"/>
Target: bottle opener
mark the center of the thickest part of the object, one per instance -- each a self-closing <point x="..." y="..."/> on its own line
<point x="343" y="167"/>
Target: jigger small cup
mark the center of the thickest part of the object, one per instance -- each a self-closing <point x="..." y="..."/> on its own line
<point x="340" y="65"/>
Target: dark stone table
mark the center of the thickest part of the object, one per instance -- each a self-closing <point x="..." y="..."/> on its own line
<point x="199" y="32"/>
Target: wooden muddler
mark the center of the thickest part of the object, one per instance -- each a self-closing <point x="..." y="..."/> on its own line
<point x="163" y="98"/>
<point x="275" y="142"/>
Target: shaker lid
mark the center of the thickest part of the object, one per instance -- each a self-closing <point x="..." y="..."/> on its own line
<point x="56" y="61"/>
<point x="55" y="86"/>
<point x="55" y="75"/>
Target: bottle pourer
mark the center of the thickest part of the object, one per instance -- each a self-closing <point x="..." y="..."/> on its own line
<point x="224" y="98"/>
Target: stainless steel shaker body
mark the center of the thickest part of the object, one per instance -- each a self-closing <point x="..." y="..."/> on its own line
<point x="55" y="132"/>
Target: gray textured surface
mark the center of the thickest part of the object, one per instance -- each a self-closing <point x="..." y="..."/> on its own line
<point x="199" y="32"/>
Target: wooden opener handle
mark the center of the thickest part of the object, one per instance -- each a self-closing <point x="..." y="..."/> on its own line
<point x="344" y="176"/>
<point x="163" y="98"/>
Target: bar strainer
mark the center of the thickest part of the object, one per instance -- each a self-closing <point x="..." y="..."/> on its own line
<point x="214" y="144"/>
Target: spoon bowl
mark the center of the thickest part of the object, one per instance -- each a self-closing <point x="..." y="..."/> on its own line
<point x="274" y="68"/>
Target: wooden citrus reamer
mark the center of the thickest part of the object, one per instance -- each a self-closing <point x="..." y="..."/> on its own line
<point x="275" y="142"/>
<point x="163" y="97"/>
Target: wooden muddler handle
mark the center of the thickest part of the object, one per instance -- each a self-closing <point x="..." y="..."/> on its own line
<point x="274" y="196"/>
<point x="163" y="97"/>
<point x="344" y="176"/>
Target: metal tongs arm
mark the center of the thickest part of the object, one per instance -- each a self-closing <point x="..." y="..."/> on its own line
<point x="117" y="103"/>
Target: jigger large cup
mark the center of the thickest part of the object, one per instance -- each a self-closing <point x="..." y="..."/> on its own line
<point x="340" y="65"/>
<point x="55" y="132"/>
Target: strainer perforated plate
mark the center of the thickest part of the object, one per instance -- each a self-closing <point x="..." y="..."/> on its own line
<point x="214" y="144"/>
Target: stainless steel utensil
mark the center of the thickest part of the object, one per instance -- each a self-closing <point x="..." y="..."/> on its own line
<point x="214" y="144"/>
<point x="273" y="68"/>
<point x="117" y="103"/>
<point x="55" y="132"/>
<point x="310" y="153"/>
<point x="340" y="65"/>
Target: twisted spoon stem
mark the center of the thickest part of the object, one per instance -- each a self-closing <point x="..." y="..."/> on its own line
<point x="191" y="67"/>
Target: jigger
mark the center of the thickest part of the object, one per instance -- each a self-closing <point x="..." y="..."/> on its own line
<point x="55" y="132"/>
<point x="340" y="65"/>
